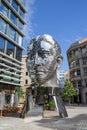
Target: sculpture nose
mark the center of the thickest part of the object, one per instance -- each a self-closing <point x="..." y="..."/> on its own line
<point x="37" y="59"/>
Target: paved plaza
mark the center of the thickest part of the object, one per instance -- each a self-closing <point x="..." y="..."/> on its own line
<point x="76" y="120"/>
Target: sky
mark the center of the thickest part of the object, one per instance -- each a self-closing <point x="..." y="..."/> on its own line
<point x="64" y="20"/>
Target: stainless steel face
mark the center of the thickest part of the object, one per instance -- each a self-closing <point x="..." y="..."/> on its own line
<point x="44" y="56"/>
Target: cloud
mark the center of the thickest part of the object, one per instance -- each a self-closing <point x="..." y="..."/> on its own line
<point x="28" y="29"/>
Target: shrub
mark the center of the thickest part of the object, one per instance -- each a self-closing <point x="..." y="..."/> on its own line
<point x="52" y="104"/>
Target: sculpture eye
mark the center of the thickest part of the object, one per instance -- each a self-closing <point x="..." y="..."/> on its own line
<point x="41" y="53"/>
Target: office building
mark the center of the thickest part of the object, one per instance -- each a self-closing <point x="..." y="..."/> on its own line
<point x="62" y="76"/>
<point x="11" y="42"/>
<point x="77" y="59"/>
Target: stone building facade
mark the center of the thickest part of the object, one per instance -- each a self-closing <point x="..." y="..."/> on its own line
<point x="25" y="79"/>
<point x="77" y="60"/>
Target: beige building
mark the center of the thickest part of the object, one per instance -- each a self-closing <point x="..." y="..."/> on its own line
<point x="67" y="75"/>
<point x="77" y="59"/>
<point x="25" y="79"/>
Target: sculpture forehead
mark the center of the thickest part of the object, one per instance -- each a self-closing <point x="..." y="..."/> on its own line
<point x="40" y="45"/>
<point x="43" y="45"/>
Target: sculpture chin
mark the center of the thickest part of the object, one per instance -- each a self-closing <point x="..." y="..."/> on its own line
<point x="42" y="77"/>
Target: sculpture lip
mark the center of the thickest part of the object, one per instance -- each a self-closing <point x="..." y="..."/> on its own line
<point x="37" y="71"/>
<point x="40" y="72"/>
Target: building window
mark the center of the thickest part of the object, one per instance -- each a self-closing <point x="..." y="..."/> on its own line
<point x="85" y="71"/>
<point x="15" y="5"/>
<point x="78" y="72"/>
<point x="13" y="18"/>
<point x="21" y="12"/>
<point x="83" y="50"/>
<point x="84" y="61"/>
<point x="74" y="64"/>
<point x="2" y="42"/>
<point x="20" y="39"/>
<point x="79" y="84"/>
<point x="18" y="54"/>
<point x="77" y="62"/>
<point x="26" y="73"/>
<point x="11" y="33"/>
<point x="4" y="9"/>
<point x="3" y="26"/>
<point x="10" y="49"/>
<point x="26" y="81"/>
<point x="20" y="25"/>
<point x="7" y="98"/>
<point x="77" y="52"/>
<point x="18" y="73"/>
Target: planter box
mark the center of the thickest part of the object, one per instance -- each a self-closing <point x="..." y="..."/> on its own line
<point x="52" y="108"/>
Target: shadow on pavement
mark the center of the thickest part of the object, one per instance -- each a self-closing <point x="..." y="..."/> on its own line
<point x="16" y="115"/>
<point x="79" y="121"/>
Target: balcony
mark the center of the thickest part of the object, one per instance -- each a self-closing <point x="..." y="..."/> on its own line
<point x="74" y="68"/>
<point x="74" y="57"/>
<point x="75" y="78"/>
<point x="84" y="54"/>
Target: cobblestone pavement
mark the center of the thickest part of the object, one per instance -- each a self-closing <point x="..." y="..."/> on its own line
<point x="76" y="120"/>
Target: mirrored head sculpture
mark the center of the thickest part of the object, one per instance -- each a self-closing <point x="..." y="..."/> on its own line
<point x="44" y="57"/>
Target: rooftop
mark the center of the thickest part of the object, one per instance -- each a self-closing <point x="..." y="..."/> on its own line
<point x="79" y="42"/>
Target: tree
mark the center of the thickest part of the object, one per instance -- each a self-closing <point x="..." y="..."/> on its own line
<point x="69" y="91"/>
<point x="20" y="92"/>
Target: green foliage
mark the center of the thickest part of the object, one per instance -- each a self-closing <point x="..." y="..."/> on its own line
<point x="20" y="91"/>
<point x="69" y="90"/>
<point x="52" y="103"/>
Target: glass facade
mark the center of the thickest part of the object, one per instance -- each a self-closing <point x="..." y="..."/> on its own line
<point x="21" y="12"/>
<point x="11" y="37"/>
<point x="4" y="9"/>
<point x="18" y="53"/>
<point x="2" y="25"/>
<point x="12" y="33"/>
<point x="15" y="5"/>
<point x="20" y="39"/>
<point x="13" y="18"/>
<point x="2" y="42"/>
<point x="20" y="25"/>
<point x="10" y="49"/>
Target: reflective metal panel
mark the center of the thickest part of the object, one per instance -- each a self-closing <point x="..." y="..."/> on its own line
<point x="44" y="57"/>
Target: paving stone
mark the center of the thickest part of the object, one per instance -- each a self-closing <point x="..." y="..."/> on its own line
<point x="76" y="120"/>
